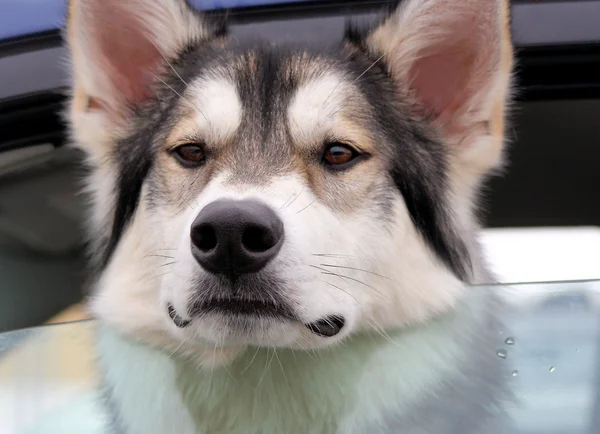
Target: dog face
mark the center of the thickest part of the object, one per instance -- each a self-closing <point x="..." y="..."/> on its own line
<point x="277" y="196"/>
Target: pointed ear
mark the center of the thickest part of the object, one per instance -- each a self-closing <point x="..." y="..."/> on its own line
<point x="454" y="57"/>
<point x="118" y="47"/>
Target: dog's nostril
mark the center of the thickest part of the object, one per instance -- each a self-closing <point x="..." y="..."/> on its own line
<point x="205" y="238"/>
<point x="258" y="239"/>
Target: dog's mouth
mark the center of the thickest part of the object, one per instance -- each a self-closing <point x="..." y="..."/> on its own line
<point x="177" y="320"/>
<point x="325" y="327"/>
<point x="328" y="326"/>
<point x="242" y="307"/>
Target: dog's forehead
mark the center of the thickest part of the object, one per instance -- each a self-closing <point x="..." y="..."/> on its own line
<point x="268" y="87"/>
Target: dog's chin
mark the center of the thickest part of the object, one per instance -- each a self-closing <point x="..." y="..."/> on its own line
<point x="250" y="330"/>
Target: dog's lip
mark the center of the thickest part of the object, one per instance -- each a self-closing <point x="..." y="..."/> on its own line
<point x="327" y="327"/>
<point x="177" y="320"/>
<point x="243" y="307"/>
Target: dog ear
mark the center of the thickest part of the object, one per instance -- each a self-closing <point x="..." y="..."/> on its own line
<point x="119" y="46"/>
<point x="453" y="59"/>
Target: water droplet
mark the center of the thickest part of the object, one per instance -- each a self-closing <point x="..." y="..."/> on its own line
<point x="509" y="341"/>
<point x="515" y="373"/>
<point x="552" y="369"/>
<point x="502" y="354"/>
<point x="576" y="350"/>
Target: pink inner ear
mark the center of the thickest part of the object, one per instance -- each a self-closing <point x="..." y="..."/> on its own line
<point x="442" y="82"/>
<point x="126" y="53"/>
<point x="449" y="73"/>
<point x="132" y="68"/>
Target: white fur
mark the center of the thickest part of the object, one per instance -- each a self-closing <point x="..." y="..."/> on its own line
<point x="218" y="107"/>
<point x="315" y="105"/>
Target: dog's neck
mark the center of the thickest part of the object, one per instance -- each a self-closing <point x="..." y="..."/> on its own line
<point x="348" y="388"/>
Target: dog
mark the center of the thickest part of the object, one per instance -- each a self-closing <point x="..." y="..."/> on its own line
<point x="251" y="203"/>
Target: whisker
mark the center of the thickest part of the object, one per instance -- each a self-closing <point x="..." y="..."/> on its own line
<point x="146" y="275"/>
<point x="294" y="200"/>
<point x="251" y="360"/>
<point x="332" y="114"/>
<point x="165" y="265"/>
<point x="180" y="96"/>
<point x="332" y="92"/>
<point x="212" y="370"/>
<point x="187" y="202"/>
<point x="325" y="271"/>
<point x="340" y="256"/>
<point x="286" y="201"/>
<point x="170" y="65"/>
<point x="310" y="204"/>
<point x="358" y="78"/>
<point x="316" y="355"/>
<point x="356" y="269"/>
<point x="151" y="277"/>
<point x="159" y="256"/>
<point x="283" y="373"/>
<point x="267" y="367"/>
<point x="336" y="255"/>
<point x="224" y="365"/>
<point x="381" y="332"/>
<point x="369" y="68"/>
<point x="162" y="250"/>
<point x="176" y="349"/>
<point x="304" y="349"/>
<point x="169" y="86"/>
<point x="344" y="291"/>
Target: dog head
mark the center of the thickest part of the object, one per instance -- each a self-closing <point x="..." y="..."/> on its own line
<point x="250" y="195"/>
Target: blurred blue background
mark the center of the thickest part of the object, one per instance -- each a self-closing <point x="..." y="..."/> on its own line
<point x="23" y="17"/>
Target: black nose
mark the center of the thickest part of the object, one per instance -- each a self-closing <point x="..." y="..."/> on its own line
<point x="236" y="237"/>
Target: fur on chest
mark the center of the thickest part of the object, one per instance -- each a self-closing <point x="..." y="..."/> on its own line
<point x="440" y="378"/>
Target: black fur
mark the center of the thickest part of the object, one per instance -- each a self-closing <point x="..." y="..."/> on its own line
<point x="355" y="36"/>
<point x="134" y="167"/>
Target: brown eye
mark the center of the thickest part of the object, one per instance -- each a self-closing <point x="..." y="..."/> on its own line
<point x="190" y="155"/>
<point x="339" y="155"/>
